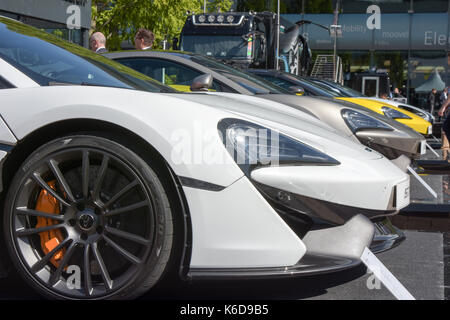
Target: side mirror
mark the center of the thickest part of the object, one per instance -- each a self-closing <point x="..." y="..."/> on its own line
<point x="202" y="83"/>
<point x="297" y="90"/>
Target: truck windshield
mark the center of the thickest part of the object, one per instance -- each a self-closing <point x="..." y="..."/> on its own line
<point x="219" y="46"/>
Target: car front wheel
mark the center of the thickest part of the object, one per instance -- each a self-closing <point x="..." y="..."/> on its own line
<point x="87" y="218"/>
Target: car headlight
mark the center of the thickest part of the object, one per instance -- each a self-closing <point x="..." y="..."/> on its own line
<point x="252" y="145"/>
<point x="394" y="114"/>
<point x="358" y="121"/>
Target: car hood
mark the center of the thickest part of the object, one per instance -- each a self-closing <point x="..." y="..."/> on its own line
<point x="300" y="125"/>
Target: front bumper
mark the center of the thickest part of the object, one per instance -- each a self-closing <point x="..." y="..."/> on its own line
<point x="386" y="236"/>
<point x="419" y="125"/>
<point x="333" y="195"/>
<point x="241" y="229"/>
<point x="432" y="166"/>
<point x="392" y="144"/>
<point x="328" y="250"/>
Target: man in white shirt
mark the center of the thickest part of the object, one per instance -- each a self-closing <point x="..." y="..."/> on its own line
<point x="97" y="42"/>
<point x="143" y="40"/>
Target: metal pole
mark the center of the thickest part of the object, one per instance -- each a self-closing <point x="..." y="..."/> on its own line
<point x="204" y="6"/>
<point x="334" y="55"/>
<point x="277" y="63"/>
<point x="336" y="13"/>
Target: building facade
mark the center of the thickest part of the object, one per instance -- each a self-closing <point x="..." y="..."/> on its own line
<point x="409" y="39"/>
<point x="69" y="19"/>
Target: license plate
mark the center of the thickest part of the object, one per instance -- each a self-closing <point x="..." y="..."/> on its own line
<point x="423" y="147"/>
<point x="403" y="193"/>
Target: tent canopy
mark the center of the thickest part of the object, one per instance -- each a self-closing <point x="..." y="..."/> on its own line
<point x="433" y="82"/>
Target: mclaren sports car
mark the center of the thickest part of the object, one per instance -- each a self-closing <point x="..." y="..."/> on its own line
<point x="112" y="183"/>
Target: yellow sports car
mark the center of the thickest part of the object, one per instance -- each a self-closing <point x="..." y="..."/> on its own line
<point x="407" y="118"/>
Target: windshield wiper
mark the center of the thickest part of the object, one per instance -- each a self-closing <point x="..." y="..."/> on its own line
<point x="57" y="83"/>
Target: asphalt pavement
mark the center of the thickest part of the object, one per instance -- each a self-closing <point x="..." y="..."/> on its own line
<point x="421" y="263"/>
<point x="418" y="263"/>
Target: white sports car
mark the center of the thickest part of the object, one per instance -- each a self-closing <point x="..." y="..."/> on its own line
<point x="108" y="190"/>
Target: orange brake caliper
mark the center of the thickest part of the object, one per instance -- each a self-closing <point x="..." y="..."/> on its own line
<point x="52" y="238"/>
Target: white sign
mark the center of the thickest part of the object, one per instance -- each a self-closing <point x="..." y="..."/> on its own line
<point x="374" y="21"/>
<point x="74" y="19"/>
<point x="430" y="190"/>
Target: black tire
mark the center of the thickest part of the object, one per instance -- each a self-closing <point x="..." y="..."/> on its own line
<point x="133" y="246"/>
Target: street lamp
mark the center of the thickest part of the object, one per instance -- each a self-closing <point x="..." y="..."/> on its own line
<point x="277" y="64"/>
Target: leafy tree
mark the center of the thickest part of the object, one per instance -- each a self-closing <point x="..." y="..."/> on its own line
<point x="215" y="5"/>
<point x="289" y="6"/>
<point x="258" y="5"/>
<point x="318" y="6"/>
<point x="119" y="20"/>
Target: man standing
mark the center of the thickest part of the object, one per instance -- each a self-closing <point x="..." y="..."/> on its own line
<point x="98" y="42"/>
<point x="432" y="100"/>
<point x="143" y="40"/>
<point x="446" y="124"/>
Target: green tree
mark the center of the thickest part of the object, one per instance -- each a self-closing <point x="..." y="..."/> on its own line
<point x="286" y="6"/>
<point x="215" y="5"/>
<point x="119" y="20"/>
<point x="255" y="5"/>
<point x="318" y="6"/>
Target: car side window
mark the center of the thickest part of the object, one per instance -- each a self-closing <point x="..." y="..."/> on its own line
<point x="169" y="73"/>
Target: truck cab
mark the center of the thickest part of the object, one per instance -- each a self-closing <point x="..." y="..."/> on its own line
<point x="244" y="39"/>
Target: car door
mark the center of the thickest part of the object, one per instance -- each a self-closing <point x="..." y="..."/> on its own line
<point x="170" y="73"/>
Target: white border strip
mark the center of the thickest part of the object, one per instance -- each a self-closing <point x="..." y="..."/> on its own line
<point x="385" y="276"/>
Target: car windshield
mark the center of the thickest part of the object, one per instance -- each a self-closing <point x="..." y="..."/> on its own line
<point x="287" y="80"/>
<point x="49" y="60"/>
<point x="320" y="89"/>
<point x="344" y="90"/>
<point x="253" y="83"/>
<point x="219" y="46"/>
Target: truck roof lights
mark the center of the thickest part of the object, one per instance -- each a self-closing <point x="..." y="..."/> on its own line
<point x="215" y="20"/>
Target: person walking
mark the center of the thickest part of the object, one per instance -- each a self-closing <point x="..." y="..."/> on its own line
<point x="97" y="42"/>
<point x="445" y="127"/>
<point x="143" y="40"/>
<point x="443" y="112"/>
<point x="432" y="100"/>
